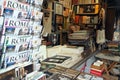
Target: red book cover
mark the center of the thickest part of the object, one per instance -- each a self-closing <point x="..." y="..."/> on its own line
<point x="95" y="72"/>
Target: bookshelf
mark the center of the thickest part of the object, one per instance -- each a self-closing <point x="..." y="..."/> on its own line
<point x="87" y="12"/>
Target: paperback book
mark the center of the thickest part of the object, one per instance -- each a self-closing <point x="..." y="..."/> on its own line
<point x="16" y="27"/>
<point x="14" y="58"/>
<point x="15" y="5"/>
<point x="15" y="9"/>
<point x="15" y="40"/>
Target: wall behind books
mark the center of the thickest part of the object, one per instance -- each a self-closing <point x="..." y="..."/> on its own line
<point x="20" y="31"/>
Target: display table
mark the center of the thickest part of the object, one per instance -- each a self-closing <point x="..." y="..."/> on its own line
<point x="74" y="55"/>
<point x="106" y="56"/>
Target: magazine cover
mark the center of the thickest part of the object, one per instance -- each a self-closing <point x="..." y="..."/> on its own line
<point x="15" y="40"/>
<point x="16" y="48"/>
<point x="1" y="7"/>
<point x="13" y="58"/>
<point x="15" y="5"/>
<point x="15" y="27"/>
<point x="13" y="8"/>
<point x="10" y="13"/>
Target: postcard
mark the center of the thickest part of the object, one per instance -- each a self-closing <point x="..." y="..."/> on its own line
<point x="39" y="2"/>
<point x="37" y="14"/>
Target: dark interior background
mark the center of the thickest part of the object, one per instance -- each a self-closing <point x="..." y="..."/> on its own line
<point x="112" y="15"/>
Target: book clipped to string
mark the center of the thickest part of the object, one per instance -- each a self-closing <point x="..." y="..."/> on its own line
<point x="100" y="36"/>
<point x="116" y="35"/>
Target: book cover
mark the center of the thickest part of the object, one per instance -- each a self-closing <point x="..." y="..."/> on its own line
<point x="15" y="27"/>
<point x="16" y="9"/>
<point x="15" y="40"/>
<point x="14" y="58"/>
<point x="15" y="5"/>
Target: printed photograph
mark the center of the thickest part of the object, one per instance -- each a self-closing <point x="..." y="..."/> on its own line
<point x="9" y="30"/>
<point x="8" y="13"/>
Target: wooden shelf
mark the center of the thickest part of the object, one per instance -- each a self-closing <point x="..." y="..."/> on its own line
<point x="89" y="23"/>
<point x="14" y="66"/>
<point x="87" y="4"/>
<point x="87" y="14"/>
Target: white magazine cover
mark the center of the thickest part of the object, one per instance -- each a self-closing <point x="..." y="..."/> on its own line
<point x="13" y="26"/>
<point x="14" y="58"/>
<point x="15" y="40"/>
<point x="15" y="9"/>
